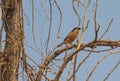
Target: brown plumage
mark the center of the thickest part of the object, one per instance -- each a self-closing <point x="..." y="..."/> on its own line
<point x="70" y="37"/>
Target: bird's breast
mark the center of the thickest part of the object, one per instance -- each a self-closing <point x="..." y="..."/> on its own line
<point x="72" y="37"/>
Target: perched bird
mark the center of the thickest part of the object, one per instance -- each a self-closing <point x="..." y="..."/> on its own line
<point x="70" y="37"/>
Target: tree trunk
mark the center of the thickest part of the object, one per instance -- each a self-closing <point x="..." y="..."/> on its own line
<point x="14" y="39"/>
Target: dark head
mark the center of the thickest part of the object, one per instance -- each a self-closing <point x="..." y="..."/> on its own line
<point x="78" y="28"/>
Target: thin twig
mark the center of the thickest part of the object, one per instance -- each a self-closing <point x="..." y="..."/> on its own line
<point x="111" y="71"/>
<point x="74" y="67"/>
<point x="83" y="24"/>
<point x="33" y="34"/>
<point x="79" y="19"/>
<point x="99" y="61"/>
<point x="81" y="3"/>
<point x="47" y="16"/>
<point x="32" y="60"/>
<point x="22" y="25"/>
<point x="95" y="21"/>
<point x="60" y="17"/>
<point x="32" y="48"/>
<point x="57" y="35"/>
<point x="26" y="17"/>
<point x="76" y="70"/>
<point x="85" y="14"/>
<point x="1" y="38"/>
<point x="69" y="71"/>
<point x="49" y="33"/>
<point x="106" y="29"/>
<point x="98" y="51"/>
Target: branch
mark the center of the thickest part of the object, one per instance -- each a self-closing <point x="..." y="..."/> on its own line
<point x="60" y="17"/>
<point x="96" y="26"/>
<point x="49" y="33"/>
<point x="79" y="19"/>
<point x="81" y="63"/>
<point x="33" y="34"/>
<point x="106" y="29"/>
<point x="90" y="45"/>
<point x="99" y="61"/>
<point x="111" y="71"/>
<point x="68" y="59"/>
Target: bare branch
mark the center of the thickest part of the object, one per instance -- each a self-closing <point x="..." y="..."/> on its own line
<point x="90" y="44"/>
<point x="85" y="14"/>
<point x="115" y="67"/>
<point x="49" y="33"/>
<point x="96" y="26"/>
<point x="1" y="39"/>
<point x="99" y="61"/>
<point x="33" y="34"/>
<point x="68" y="59"/>
<point x="80" y="3"/>
<point x="60" y="17"/>
<point x="106" y="29"/>
<point x="76" y="70"/>
<point x="79" y="19"/>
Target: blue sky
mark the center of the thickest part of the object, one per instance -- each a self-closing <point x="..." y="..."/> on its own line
<point x="107" y="9"/>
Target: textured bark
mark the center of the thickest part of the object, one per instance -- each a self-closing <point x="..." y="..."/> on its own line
<point x="14" y="39"/>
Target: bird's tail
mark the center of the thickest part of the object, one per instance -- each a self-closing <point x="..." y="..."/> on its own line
<point x="60" y="44"/>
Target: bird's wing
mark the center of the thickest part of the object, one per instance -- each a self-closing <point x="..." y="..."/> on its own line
<point x="69" y="36"/>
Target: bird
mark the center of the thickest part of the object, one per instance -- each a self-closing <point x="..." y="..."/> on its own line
<point x="70" y="37"/>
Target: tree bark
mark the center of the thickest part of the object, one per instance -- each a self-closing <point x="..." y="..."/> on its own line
<point x="14" y="39"/>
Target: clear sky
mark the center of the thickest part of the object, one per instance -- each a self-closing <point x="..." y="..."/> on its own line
<point x="107" y="10"/>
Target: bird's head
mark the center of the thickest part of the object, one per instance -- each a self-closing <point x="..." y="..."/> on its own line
<point x="76" y="28"/>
